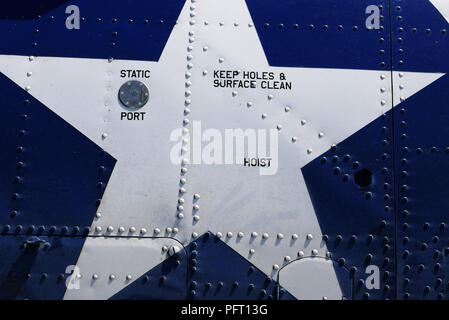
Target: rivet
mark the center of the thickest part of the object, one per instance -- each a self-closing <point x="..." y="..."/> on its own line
<point x="95" y="276"/>
<point x="221" y="60"/>
<point x="295" y="236"/>
<point x="143" y="231"/>
<point x="240" y="234"/>
<point x="205" y="72"/>
<point x="265" y="236"/>
<point x="168" y="230"/>
<point x="112" y="277"/>
<point x="196" y="207"/>
<point x="196" y="217"/>
<point x="175" y="230"/>
<point x="252" y="251"/>
<point x="219" y="235"/>
<point x="309" y="150"/>
<point x="196" y="196"/>
<point x="180" y="215"/>
<point x="229" y="234"/>
<point x="314" y="252"/>
<point x="29" y="74"/>
<point x="270" y="97"/>
<point x="254" y="234"/>
<point x="280" y="236"/>
<point x="121" y="229"/>
<point x="110" y="229"/>
<point x="287" y="258"/>
<point x="173" y="250"/>
<point x="264" y="115"/>
<point x="194" y="235"/>
<point x="249" y="104"/>
<point x="157" y="230"/>
<point x="98" y="229"/>
<point x="294" y="139"/>
<point x="132" y="229"/>
<point x="104" y="135"/>
<point x="320" y="135"/>
<point x="309" y="236"/>
<point x="287" y="109"/>
<point x="164" y="248"/>
<point x="303" y="122"/>
<point x="275" y="267"/>
<point x="129" y="277"/>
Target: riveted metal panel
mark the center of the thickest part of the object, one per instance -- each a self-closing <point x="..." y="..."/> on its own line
<point x="305" y="207"/>
<point x="355" y="162"/>
<point x="308" y="277"/>
<point x="45" y="267"/>
<point x="420" y="44"/>
<point x="35" y="267"/>
<point x="150" y="271"/>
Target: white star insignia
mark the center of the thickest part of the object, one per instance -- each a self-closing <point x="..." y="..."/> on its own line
<point x="324" y="107"/>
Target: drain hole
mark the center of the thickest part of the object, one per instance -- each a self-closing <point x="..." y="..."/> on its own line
<point x="363" y="178"/>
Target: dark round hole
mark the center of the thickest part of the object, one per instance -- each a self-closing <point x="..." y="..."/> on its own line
<point x="363" y="178"/>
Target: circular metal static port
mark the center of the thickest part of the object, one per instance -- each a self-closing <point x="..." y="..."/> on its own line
<point x="133" y="94"/>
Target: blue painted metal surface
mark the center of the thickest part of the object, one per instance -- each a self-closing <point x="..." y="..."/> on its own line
<point x="420" y="37"/>
<point x="36" y="270"/>
<point x="422" y="164"/>
<point x="166" y="281"/>
<point x="21" y="10"/>
<point x="133" y="30"/>
<point x="56" y="177"/>
<point x="420" y="41"/>
<point x="239" y="279"/>
<point x="358" y="222"/>
<point x="53" y="175"/>
<point x="215" y="271"/>
<point x="321" y="34"/>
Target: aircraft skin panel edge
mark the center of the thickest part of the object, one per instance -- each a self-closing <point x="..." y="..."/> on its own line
<point x="224" y="150"/>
